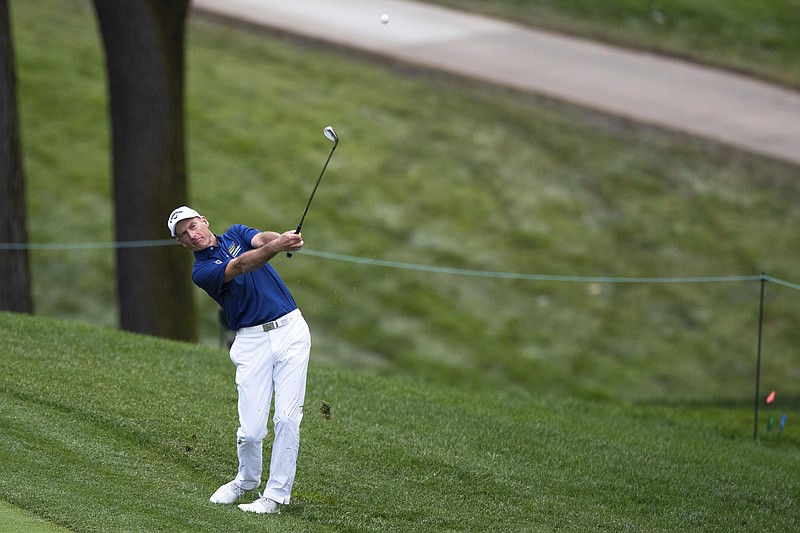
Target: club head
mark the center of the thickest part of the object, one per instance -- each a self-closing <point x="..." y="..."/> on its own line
<point x="330" y="134"/>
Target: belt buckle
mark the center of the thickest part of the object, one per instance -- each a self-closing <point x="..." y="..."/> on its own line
<point x="269" y="326"/>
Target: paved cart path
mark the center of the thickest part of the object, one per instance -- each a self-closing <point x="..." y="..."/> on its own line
<point x="669" y="93"/>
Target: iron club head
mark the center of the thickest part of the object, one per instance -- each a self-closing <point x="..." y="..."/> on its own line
<point x="330" y="134"/>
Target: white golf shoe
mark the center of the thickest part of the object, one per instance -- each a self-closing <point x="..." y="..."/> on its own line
<point x="228" y="493"/>
<point x="263" y="505"/>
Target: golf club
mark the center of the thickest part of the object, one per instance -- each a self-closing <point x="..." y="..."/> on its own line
<point x="331" y="135"/>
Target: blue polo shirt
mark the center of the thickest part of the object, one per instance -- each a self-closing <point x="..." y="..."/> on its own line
<point x="248" y="299"/>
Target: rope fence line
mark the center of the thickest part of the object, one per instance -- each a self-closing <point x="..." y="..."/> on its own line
<point x="528" y="277"/>
<point x="762" y="278"/>
<point x="85" y="245"/>
<point x="415" y="267"/>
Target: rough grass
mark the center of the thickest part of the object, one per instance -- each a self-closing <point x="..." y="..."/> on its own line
<point x="758" y="38"/>
<point x="435" y="171"/>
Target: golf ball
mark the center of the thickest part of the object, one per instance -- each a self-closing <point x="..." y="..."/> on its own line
<point x="384" y="19"/>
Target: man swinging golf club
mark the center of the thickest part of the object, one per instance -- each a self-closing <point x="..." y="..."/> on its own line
<point x="271" y="349"/>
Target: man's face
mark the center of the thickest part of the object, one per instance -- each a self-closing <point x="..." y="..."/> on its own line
<point x="194" y="233"/>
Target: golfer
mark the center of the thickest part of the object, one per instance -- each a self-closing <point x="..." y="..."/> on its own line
<point x="271" y="348"/>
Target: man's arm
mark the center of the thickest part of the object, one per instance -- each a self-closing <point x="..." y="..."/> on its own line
<point x="263" y="238"/>
<point x="266" y="245"/>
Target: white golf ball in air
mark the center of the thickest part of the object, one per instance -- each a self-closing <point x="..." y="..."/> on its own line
<point x="384" y="19"/>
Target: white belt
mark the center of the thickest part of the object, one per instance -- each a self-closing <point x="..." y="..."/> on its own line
<point x="269" y="326"/>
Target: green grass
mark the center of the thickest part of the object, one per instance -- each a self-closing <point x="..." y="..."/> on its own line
<point x="758" y="38"/>
<point x="441" y="172"/>
<point x="109" y="431"/>
<point x="458" y="403"/>
<point x="13" y="520"/>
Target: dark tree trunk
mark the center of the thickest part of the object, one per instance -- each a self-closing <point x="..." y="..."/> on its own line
<point x="15" y="274"/>
<point x="144" y="43"/>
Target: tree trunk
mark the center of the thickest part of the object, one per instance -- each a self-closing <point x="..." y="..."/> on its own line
<point x="144" y="44"/>
<point x="15" y="274"/>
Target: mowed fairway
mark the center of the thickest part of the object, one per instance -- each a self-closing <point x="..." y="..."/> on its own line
<point x="108" y="431"/>
<point x="458" y="403"/>
<point x="14" y="519"/>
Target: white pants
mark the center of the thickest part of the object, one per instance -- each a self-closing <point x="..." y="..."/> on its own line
<point x="266" y="362"/>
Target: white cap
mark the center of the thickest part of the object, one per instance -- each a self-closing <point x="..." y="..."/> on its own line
<point x="181" y="213"/>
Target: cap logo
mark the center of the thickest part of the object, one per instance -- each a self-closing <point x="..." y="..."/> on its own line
<point x="180" y="213"/>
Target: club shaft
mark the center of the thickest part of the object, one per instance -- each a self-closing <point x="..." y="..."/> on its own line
<point x="313" y="192"/>
<point x="315" y="189"/>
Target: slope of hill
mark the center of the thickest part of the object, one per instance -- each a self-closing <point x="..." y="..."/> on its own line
<point x="436" y="172"/>
<point x="109" y="431"/>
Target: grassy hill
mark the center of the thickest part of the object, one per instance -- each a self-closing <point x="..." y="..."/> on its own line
<point x="439" y="172"/>
<point x="109" y="431"/>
